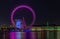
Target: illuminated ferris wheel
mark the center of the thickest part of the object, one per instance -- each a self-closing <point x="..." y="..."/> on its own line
<point x="23" y="20"/>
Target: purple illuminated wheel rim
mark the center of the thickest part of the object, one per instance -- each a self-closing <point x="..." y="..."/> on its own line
<point x="26" y="7"/>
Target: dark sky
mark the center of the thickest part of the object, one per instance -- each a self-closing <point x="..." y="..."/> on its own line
<point x="46" y="11"/>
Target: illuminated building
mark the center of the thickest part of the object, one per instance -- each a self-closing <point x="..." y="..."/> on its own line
<point x="18" y="25"/>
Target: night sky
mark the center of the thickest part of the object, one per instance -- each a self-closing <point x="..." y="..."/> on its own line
<point x="46" y="11"/>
